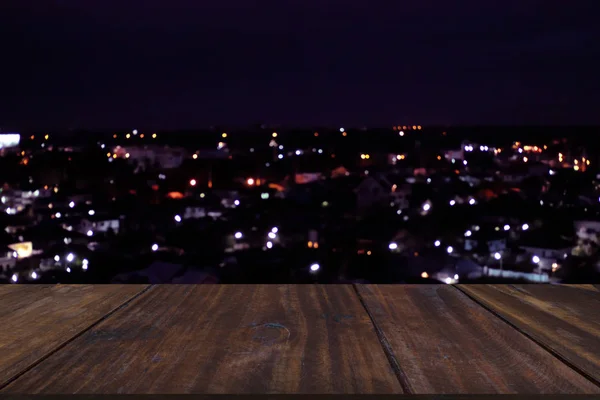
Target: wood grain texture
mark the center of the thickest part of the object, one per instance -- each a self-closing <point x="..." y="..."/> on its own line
<point x="563" y="318"/>
<point x="446" y="343"/>
<point x="592" y="288"/>
<point x="224" y="339"/>
<point x="37" y="319"/>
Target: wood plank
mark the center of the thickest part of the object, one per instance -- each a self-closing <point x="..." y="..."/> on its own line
<point x="563" y="318"/>
<point x="224" y="339"/>
<point x="446" y="343"/>
<point x="37" y="319"/>
<point x="593" y="288"/>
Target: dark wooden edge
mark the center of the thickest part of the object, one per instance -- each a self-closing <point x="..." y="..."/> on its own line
<point x="297" y="396"/>
<point x="69" y="340"/>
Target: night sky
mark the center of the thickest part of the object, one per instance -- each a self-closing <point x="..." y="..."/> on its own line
<point x="190" y="64"/>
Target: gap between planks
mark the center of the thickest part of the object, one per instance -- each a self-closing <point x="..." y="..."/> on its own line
<point x="386" y="346"/>
<point x="530" y="337"/>
<point x="34" y="364"/>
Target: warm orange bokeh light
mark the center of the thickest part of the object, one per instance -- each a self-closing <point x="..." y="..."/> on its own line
<point x="175" y="195"/>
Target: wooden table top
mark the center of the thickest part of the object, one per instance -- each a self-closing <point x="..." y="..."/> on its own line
<point x="363" y="339"/>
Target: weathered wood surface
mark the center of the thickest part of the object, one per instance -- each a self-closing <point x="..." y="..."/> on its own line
<point x="224" y="339"/>
<point x="565" y="319"/>
<point x="300" y="339"/>
<point x="36" y="320"/>
<point x="446" y="343"/>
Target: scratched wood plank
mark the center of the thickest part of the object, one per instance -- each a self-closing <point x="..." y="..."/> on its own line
<point x="224" y="339"/>
<point x="564" y="318"/>
<point x="446" y="343"/>
<point x="37" y="319"/>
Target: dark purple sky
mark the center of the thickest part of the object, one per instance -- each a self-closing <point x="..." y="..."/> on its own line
<point x="170" y="64"/>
